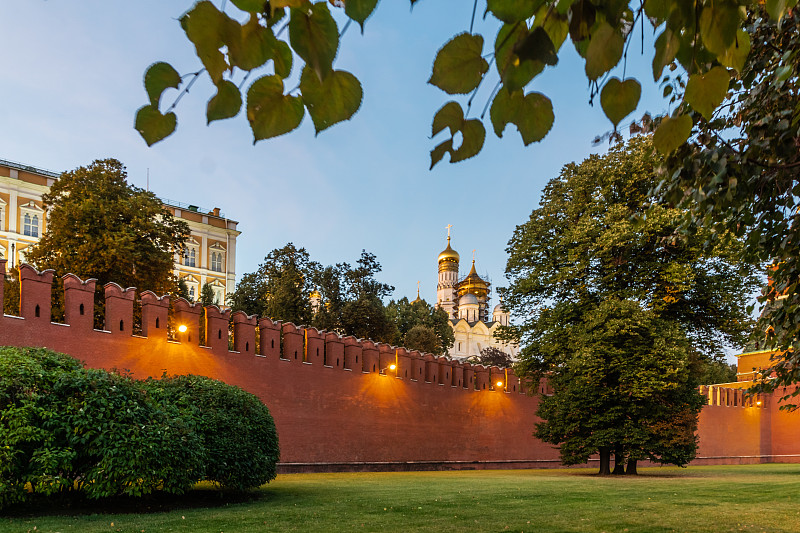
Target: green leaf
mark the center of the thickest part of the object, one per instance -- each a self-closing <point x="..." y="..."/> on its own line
<point x="333" y="100"/>
<point x="778" y="8"/>
<point x="704" y="92"/>
<point x="360" y="10"/>
<point x="251" y="6"/>
<point x="537" y="46"/>
<point x="604" y="51"/>
<point x="249" y="46"/>
<point x="157" y="79"/>
<point x="511" y="11"/>
<point x="225" y="104"/>
<point x="582" y="19"/>
<point x="438" y="153"/>
<point x="658" y="9"/>
<point x="269" y="111"/>
<point x="515" y="74"/>
<point x="667" y="46"/>
<point x="281" y="55"/>
<point x="152" y="125"/>
<point x="671" y="133"/>
<point x="735" y="56"/>
<point x="554" y="24"/>
<point x="459" y="67"/>
<point x="620" y="98"/>
<point x="206" y="26"/>
<point x="532" y="114"/>
<point x="473" y="134"/>
<point x="718" y="24"/>
<point x="315" y="37"/>
<point x="449" y="116"/>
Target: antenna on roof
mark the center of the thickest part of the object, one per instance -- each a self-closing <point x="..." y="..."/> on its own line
<point x="148" y="179"/>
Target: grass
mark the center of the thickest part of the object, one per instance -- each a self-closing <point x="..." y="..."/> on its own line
<point x="718" y="498"/>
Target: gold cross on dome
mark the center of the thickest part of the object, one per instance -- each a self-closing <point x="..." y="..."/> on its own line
<point x="448" y="230"/>
<point x="473" y="256"/>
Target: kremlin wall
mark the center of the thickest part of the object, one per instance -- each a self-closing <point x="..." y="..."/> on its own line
<point x="344" y="404"/>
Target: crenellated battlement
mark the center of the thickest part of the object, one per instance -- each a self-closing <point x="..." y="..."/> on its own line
<point x="223" y="330"/>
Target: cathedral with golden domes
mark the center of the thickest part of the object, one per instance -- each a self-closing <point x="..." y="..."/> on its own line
<point x="466" y="301"/>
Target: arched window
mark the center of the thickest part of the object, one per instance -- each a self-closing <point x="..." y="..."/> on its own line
<point x="190" y="257"/>
<point x="35" y="226"/>
<point x="26" y="225"/>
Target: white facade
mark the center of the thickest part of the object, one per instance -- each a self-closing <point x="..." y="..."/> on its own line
<point x="210" y="257"/>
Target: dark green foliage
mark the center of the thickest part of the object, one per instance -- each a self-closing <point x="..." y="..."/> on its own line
<point x="207" y="296"/>
<point x="11" y="293"/>
<point x="740" y="174"/>
<point x="65" y="429"/>
<point x="408" y="315"/>
<point x="100" y="227"/>
<point x="236" y="431"/>
<point x="718" y="372"/>
<point x="492" y="356"/>
<point x="622" y="310"/>
<point x="422" y="338"/>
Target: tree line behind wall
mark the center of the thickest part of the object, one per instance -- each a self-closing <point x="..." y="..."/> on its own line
<point x="348" y="299"/>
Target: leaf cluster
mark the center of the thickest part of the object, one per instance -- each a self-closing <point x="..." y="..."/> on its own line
<point x="421" y="326"/>
<point x="739" y="174"/>
<point x="706" y="41"/>
<point x="69" y="430"/>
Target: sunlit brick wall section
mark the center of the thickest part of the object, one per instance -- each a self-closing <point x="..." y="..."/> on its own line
<point x="342" y="403"/>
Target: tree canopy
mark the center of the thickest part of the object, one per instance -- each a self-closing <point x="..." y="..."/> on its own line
<point x="740" y="174"/>
<point x="706" y="40"/>
<point x="99" y="226"/>
<point x="622" y="310"/>
<point x="427" y="323"/>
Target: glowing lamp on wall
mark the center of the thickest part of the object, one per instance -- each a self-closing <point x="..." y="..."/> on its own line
<point x="499" y="384"/>
<point x="182" y="328"/>
<point x="758" y="403"/>
<point x="392" y="367"/>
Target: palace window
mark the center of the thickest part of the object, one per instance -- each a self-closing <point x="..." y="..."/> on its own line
<point x="191" y="291"/>
<point x="216" y="261"/>
<point x="190" y="257"/>
<point x="30" y="225"/>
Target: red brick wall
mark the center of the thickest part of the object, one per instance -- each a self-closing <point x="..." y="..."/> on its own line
<point x="332" y="410"/>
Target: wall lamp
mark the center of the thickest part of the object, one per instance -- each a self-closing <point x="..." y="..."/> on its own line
<point x="391" y="367"/>
<point x="182" y="328"/>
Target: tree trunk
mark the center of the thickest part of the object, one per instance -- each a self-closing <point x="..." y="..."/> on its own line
<point x="631" y="471"/>
<point x="619" y="460"/>
<point x="605" y="460"/>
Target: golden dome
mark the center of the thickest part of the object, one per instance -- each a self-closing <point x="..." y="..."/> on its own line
<point x="473" y="279"/>
<point x="449" y="254"/>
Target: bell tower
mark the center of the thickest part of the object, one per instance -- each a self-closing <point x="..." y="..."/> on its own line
<point x="448" y="277"/>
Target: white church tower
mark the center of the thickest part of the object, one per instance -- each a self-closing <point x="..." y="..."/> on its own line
<point x="448" y="277"/>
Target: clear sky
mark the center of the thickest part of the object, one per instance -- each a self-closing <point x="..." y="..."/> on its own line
<point x="71" y="83"/>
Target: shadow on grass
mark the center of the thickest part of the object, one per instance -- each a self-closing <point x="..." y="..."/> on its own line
<point x="76" y="504"/>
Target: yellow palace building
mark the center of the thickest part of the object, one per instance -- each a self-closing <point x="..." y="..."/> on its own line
<point x="210" y="255"/>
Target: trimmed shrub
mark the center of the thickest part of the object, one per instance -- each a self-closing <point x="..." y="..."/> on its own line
<point x="64" y="428"/>
<point x="237" y="431"/>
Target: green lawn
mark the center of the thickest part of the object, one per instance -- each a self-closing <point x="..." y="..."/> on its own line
<point x="721" y="498"/>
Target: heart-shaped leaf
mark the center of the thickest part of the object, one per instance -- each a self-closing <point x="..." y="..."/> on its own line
<point x="511" y="11"/>
<point x="532" y="114"/>
<point x="152" y="125"/>
<point x="449" y="116"/>
<point x="315" y="37"/>
<point x="442" y="148"/>
<point x="704" y="92"/>
<point x="515" y="74"/>
<point x="718" y="24"/>
<point x="473" y="134"/>
<point x="206" y="27"/>
<point x="620" y="98"/>
<point x="225" y="104"/>
<point x="671" y="133"/>
<point x="249" y="46"/>
<point x="157" y="79"/>
<point x="667" y="46"/>
<point x="604" y="51"/>
<point x="459" y="67"/>
<point x="360" y="10"/>
<point x="333" y="100"/>
<point x="269" y="111"/>
<point x="735" y="56"/>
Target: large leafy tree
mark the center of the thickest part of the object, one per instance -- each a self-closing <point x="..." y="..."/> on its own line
<point x="419" y="314"/>
<point x="99" y="226"/>
<point x="703" y="39"/>
<point x="622" y="310"/>
<point x="740" y="174"/>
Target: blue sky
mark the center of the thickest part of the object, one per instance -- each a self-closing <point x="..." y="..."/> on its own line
<point x="72" y="82"/>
